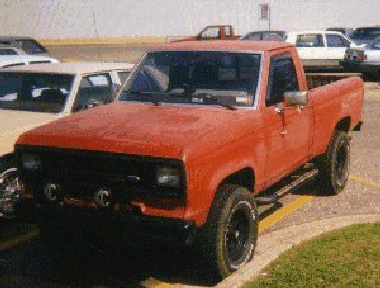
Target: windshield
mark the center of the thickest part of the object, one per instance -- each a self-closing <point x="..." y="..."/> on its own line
<point x="366" y="33"/>
<point x="34" y="91"/>
<point x="195" y="78"/>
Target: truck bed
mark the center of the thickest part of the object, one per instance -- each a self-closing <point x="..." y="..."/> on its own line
<point x="320" y="79"/>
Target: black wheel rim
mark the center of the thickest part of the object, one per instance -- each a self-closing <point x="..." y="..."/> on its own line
<point x="341" y="165"/>
<point x="237" y="235"/>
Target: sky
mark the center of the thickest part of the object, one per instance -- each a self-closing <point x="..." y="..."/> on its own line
<point x="107" y="18"/>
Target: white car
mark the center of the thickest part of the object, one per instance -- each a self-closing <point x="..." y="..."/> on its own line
<point x="20" y="60"/>
<point x="34" y="95"/>
<point x="318" y="47"/>
<point x="365" y="60"/>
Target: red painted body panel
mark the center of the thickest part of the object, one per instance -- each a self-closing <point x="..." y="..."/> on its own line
<point x="213" y="142"/>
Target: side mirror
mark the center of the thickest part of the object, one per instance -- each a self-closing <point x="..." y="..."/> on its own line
<point x="298" y="98"/>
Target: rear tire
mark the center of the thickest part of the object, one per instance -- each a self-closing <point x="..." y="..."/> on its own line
<point x="231" y="230"/>
<point x="334" y="165"/>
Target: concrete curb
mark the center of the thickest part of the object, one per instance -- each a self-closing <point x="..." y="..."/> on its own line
<point x="272" y="244"/>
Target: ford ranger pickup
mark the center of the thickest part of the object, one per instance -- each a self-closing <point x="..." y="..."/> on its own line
<point x="200" y="133"/>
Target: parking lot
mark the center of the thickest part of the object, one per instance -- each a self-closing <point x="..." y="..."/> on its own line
<point x="26" y="263"/>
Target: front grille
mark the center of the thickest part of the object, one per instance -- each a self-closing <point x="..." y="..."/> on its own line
<point x="80" y="173"/>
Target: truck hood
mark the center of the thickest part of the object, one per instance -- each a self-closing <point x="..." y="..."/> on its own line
<point x="13" y="123"/>
<point x="168" y="131"/>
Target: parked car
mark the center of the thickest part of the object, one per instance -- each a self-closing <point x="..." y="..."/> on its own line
<point x="266" y="35"/>
<point x="20" y="60"/>
<point x="320" y="48"/>
<point x="365" y="35"/>
<point x="10" y="50"/>
<point x="27" y="44"/>
<point x="365" y="60"/>
<point x="200" y="130"/>
<point x="345" y="31"/>
<point x="33" y="95"/>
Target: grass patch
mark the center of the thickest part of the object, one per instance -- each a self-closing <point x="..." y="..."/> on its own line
<point x="349" y="257"/>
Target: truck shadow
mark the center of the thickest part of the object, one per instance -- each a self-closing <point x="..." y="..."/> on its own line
<point x="34" y="265"/>
<point x="310" y="189"/>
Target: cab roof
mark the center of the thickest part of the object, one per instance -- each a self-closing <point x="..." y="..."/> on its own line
<point x="221" y="45"/>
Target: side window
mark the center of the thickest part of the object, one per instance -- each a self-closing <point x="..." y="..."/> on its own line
<point x="211" y="33"/>
<point x="228" y="31"/>
<point x="336" y="41"/>
<point x="376" y="45"/>
<point x="309" y="40"/>
<point x="255" y="36"/>
<point x="7" y="52"/>
<point x="93" y="90"/>
<point x="96" y="80"/>
<point x="282" y="78"/>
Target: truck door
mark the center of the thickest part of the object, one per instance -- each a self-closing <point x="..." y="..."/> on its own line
<point x="289" y="137"/>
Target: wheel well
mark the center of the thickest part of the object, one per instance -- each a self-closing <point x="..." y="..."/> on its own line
<point x="344" y="124"/>
<point x="244" y="177"/>
<point x="5" y="161"/>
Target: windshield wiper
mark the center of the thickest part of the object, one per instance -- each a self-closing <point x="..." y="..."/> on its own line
<point x="210" y="99"/>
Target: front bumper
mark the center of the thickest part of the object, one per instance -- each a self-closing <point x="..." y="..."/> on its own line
<point x="131" y="228"/>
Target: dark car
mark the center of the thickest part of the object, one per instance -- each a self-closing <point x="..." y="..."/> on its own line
<point x="265" y="35"/>
<point x="28" y="44"/>
<point x="365" y="35"/>
<point x="345" y="31"/>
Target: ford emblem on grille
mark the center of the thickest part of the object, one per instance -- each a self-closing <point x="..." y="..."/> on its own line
<point x="103" y="197"/>
<point x="51" y="191"/>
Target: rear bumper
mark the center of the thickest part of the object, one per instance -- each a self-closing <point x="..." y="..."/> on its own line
<point x="131" y="228"/>
<point x="361" y="67"/>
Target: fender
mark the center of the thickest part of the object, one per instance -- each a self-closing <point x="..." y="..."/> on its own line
<point x="199" y="210"/>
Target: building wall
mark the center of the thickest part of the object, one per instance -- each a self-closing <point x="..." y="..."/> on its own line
<point x="88" y="18"/>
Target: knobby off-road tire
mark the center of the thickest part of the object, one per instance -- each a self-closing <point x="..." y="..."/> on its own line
<point x="231" y="230"/>
<point x="334" y="165"/>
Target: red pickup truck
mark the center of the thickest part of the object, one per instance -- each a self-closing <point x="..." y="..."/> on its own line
<point x="200" y="133"/>
<point x="213" y="32"/>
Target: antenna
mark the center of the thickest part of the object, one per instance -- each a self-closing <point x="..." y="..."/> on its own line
<point x="97" y="37"/>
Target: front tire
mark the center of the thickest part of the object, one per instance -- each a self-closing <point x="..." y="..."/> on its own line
<point x="231" y="230"/>
<point x="334" y="165"/>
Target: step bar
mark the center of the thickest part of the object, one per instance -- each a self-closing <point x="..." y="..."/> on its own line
<point x="300" y="180"/>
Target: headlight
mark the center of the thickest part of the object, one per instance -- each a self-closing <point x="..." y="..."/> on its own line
<point x="167" y="176"/>
<point x="31" y="161"/>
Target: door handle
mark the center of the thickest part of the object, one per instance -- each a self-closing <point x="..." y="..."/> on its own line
<point x="285" y="132"/>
